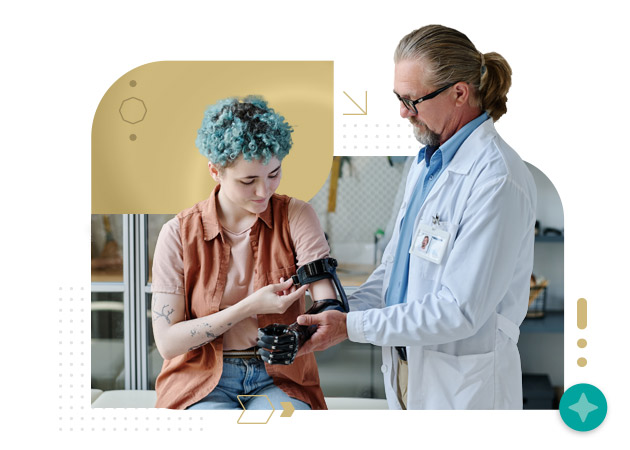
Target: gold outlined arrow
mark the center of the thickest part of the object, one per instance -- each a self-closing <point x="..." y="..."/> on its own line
<point x="363" y="111"/>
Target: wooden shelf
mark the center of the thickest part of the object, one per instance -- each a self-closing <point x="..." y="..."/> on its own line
<point x="551" y="322"/>
<point x="550" y="238"/>
<point x="354" y="275"/>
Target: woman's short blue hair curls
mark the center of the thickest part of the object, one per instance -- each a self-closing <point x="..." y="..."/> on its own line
<point x="248" y="127"/>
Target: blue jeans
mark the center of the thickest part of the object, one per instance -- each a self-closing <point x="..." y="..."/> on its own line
<point x="246" y="377"/>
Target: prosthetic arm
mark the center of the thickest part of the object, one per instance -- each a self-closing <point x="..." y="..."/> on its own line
<point x="278" y="344"/>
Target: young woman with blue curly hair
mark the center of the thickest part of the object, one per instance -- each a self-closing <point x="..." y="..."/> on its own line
<point x="220" y="267"/>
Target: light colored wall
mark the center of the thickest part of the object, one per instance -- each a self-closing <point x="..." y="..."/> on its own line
<point x="369" y="193"/>
<point x="366" y="200"/>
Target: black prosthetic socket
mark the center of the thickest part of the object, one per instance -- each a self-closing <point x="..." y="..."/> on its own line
<point x="279" y="344"/>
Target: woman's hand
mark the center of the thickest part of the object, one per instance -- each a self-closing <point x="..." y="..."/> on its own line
<point x="274" y="298"/>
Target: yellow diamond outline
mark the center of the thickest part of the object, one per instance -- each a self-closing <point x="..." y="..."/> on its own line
<point x="238" y="397"/>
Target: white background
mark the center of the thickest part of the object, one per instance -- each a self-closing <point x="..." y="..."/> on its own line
<point x="567" y="116"/>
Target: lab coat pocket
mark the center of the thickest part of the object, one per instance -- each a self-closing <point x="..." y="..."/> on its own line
<point x="457" y="382"/>
<point x="428" y="270"/>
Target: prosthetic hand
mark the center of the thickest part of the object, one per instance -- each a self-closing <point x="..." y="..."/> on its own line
<point x="279" y="344"/>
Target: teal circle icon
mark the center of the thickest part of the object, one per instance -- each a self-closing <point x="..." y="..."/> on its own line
<point x="583" y="407"/>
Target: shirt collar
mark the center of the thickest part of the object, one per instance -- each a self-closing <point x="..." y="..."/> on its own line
<point x="450" y="147"/>
<point x="266" y="216"/>
<point x="210" y="217"/>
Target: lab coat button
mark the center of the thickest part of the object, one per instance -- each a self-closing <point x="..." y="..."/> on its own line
<point x="384" y="368"/>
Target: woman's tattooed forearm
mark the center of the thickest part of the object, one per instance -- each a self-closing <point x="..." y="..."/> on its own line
<point x="209" y="335"/>
<point x="204" y="327"/>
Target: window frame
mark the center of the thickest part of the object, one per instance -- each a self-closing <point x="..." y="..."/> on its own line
<point x="136" y="291"/>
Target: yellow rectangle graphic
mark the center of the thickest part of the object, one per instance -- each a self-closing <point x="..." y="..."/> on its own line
<point x="581" y="313"/>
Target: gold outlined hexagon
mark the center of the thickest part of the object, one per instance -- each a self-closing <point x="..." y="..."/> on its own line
<point x="245" y="409"/>
<point x="132" y="110"/>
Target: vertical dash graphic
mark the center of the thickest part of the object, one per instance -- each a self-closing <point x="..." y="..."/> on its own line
<point x="581" y="324"/>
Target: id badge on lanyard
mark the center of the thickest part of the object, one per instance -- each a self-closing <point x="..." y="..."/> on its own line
<point x="430" y="242"/>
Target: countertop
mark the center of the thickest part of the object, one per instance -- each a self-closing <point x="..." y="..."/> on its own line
<point x="351" y="275"/>
<point x="354" y="274"/>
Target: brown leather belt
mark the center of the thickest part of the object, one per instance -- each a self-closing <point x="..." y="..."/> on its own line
<point x="244" y="354"/>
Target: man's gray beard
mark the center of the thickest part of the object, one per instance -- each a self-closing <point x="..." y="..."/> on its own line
<point x="426" y="137"/>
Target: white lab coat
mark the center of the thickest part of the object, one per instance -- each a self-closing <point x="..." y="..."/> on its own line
<point x="461" y="321"/>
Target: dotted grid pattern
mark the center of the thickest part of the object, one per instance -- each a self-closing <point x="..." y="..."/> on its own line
<point x="73" y="352"/>
<point x="378" y="139"/>
<point x="74" y="392"/>
<point x="368" y="186"/>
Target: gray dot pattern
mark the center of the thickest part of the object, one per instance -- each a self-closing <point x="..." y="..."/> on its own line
<point x="73" y="381"/>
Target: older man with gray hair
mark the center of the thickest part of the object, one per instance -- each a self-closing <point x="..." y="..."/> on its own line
<point x="447" y="316"/>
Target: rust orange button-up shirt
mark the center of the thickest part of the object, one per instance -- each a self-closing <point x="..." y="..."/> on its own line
<point x="186" y="379"/>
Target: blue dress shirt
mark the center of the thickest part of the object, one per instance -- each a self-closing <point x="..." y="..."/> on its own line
<point x="436" y="160"/>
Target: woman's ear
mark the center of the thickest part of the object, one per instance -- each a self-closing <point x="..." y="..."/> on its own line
<point x="215" y="172"/>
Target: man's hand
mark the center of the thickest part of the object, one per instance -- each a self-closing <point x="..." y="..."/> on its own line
<point x="331" y="330"/>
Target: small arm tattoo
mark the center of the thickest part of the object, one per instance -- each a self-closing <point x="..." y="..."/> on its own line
<point x="166" y="314"/>
<point x="197" y="346"/>
<point x="209" y="335"/>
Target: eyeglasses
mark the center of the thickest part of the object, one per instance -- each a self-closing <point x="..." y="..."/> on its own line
<point x="411" y="104"/>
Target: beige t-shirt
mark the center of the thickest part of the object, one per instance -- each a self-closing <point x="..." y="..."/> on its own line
<point x="168" y="265"/>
